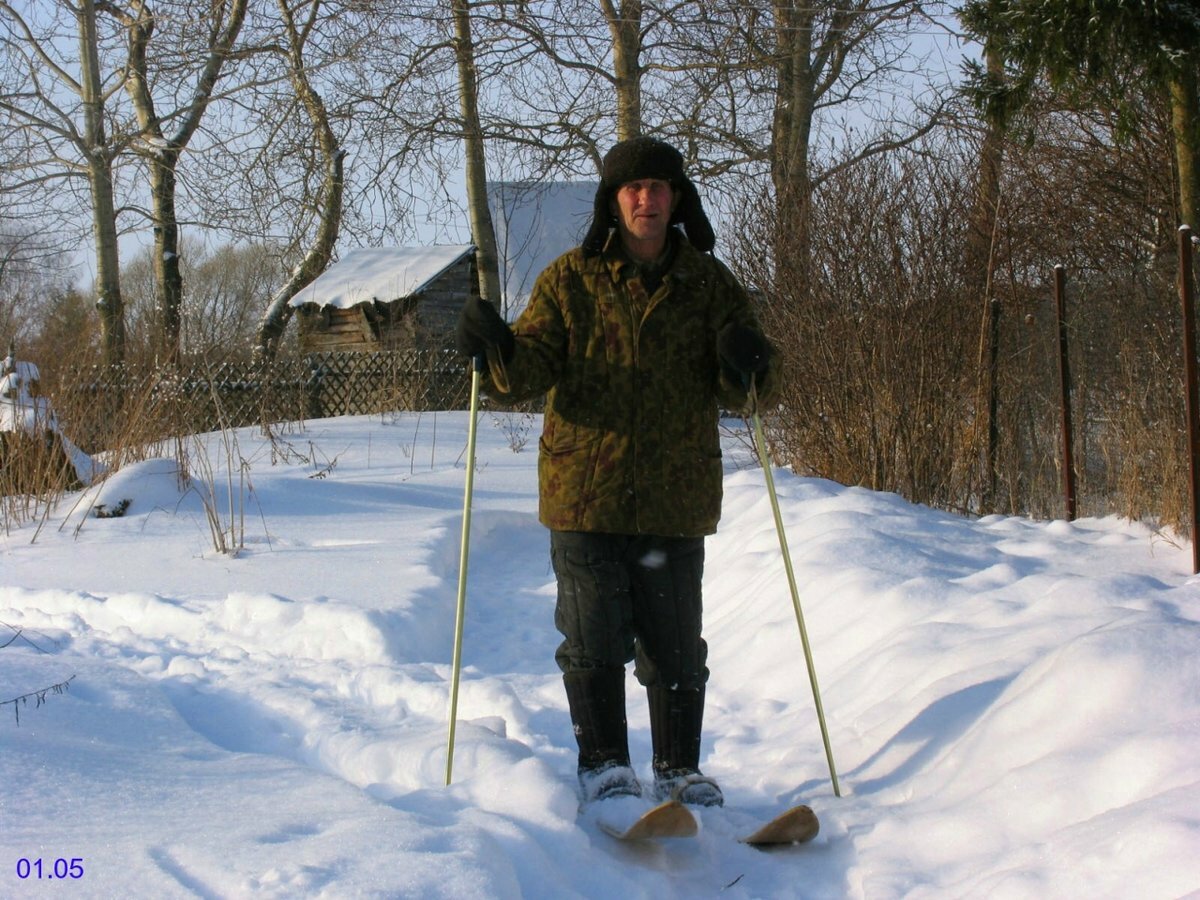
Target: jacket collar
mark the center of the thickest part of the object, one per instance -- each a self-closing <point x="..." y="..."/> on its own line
<point x="615" y="260"/>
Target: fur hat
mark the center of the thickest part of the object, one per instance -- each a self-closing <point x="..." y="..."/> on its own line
<point x="646" y="157"/>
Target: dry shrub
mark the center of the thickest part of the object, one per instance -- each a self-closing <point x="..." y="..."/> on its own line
<point x="886" y="336"/>
<point x="34" y="472"/>
<point x="1139" y="410"/>
<point x="879" y="349"/>
<point x="1097" y="197"/>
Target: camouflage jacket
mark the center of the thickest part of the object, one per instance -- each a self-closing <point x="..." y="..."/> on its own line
<point x="629" y="442"/>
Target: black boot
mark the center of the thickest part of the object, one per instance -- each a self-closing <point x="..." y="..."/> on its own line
<point x="676" y="720"/>
<point x="596" y="698"/>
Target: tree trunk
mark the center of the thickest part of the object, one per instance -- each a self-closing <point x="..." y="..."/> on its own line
<point x="487" y="258"/>
<point x="163" y="154"/>
<point x="625" y="25"/>
<point x="791" y="131"/>
<point x="168" y="279"/>
<point x="1185" y="118"/>
<point x="316" y="260"/>
<point x="109" y="302"/>
<point x="980" y="270"/>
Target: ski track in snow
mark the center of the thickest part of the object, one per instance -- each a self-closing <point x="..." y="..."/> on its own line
<point x="1022" y="695"/>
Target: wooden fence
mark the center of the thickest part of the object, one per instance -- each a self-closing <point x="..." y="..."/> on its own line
<point x="104" y="406"/>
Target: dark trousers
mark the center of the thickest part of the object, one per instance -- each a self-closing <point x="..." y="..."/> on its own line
<point x="624" y="598"/>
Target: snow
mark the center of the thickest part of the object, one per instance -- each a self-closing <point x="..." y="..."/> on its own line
<point x="1013" y="705"/>
<point x="379" y="273"/>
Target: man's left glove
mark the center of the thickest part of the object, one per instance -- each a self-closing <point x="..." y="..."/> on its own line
<point x="743" y="353"/>
<point x="480" y="328"/>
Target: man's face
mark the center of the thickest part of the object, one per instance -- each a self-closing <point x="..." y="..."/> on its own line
<point x="643" y="210"/>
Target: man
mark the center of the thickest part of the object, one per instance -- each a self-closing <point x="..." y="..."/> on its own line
<point x="638" y="337"/>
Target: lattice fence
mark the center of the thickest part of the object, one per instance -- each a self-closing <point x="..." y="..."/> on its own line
<point x="101" y="406"/>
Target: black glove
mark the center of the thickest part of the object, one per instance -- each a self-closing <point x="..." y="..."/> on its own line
<point x="743" y="353"/>
<point x="481" y="328"/>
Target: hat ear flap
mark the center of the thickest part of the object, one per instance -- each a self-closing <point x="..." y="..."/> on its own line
<point x="602" y="221"/>
<point x="690" y="213"/>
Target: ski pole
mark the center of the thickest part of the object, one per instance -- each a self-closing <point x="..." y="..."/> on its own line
<point x="761" y="444"/>
<point x="477" y="364"/>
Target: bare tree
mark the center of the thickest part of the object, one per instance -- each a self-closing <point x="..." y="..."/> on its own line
<point x="166" y="133"/>
<point x="743" y="87"/>
<point x="226" y="287"/>
<point x="64" y="332"/>
<point x="1079" y="188"/>
<point x="877" y="377"/>
<point x="28" y="275"/>
<point x="484" y="234"/>
<point x="62" y="71"/>
<point x="826" y="55"/>
<point x="298" y="31"/>
<point x="582" y="76"/>
<point x="624" y="20"/>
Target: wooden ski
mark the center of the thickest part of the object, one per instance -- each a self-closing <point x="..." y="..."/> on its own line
<point x="795" y="826"/>
<point x="667" y="820"/>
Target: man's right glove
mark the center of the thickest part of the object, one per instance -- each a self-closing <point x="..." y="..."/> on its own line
<point x="480" y="328"/>
<point x="743" y="353"/>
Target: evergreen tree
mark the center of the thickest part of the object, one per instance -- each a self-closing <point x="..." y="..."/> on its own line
<point x="1075" y="44"/>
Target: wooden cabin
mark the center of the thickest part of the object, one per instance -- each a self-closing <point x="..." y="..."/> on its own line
<point x="387" y="298"/>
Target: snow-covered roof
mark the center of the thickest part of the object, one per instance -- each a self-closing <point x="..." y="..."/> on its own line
<point x="380" y="273"/>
